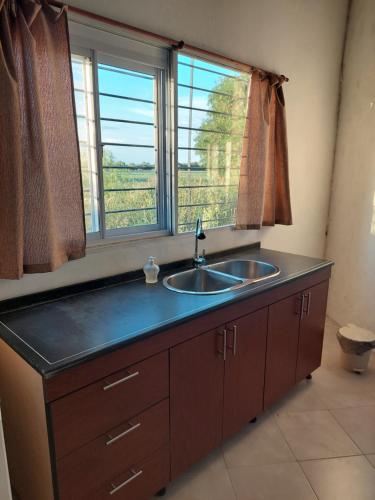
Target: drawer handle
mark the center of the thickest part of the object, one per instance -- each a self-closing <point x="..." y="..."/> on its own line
<point x="120" y="381"/>
<point x="134" y="476"/>
<point x="113" y="439"/>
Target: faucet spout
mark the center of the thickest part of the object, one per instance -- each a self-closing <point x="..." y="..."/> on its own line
<point x="199" y="260"/>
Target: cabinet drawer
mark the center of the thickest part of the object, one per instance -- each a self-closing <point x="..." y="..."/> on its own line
<point x="94" y="464"/>
<point x="139" y="482"/>
<point x="92" y="411"/>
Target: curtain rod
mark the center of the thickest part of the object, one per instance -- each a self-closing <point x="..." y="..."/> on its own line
<point x="176" y="44"/>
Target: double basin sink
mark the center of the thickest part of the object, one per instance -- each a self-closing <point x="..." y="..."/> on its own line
<point x="221" y="277"/>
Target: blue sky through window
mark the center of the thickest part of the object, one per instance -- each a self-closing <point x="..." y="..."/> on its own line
<point x="126" y="83"/>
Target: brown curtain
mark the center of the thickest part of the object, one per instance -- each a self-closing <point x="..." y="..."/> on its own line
<point x="263" y="197"/>
<point x="41" y="207"/>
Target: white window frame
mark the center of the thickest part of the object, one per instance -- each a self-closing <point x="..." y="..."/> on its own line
<point x="108" y="48"/>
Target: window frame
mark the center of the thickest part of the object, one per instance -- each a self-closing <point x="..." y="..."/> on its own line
<point x="101" y="45"/>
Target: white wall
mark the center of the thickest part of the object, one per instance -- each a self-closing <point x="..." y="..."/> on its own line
<point x="351" y="238"/>
<point x="302" y="39"/>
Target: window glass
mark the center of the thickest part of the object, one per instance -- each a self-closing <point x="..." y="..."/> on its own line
<point x="211" y="118"/>
<point x="84" y="103"/>
<point x="128" y="122"/>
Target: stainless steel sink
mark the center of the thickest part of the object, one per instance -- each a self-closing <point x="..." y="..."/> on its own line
<point x="253" y="270"/>
<point x="201" y="281"/>
<point x="221" y="277"/>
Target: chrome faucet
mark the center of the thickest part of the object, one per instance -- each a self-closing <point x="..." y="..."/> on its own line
<point x="199" y="260"/>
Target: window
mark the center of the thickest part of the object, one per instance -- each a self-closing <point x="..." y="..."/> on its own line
<point x="120" y="97"/>
<point x="122" y="94"/>
<point x="129" y="130"/>
<point x="211" y="118"/>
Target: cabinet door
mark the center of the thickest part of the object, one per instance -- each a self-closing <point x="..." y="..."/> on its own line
<point x="282" y="347"/>
<point x="244" y="370"/>
<point x="196" y="396"/>
<point x="312" y="330"/>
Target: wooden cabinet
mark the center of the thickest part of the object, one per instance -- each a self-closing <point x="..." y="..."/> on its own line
<point x="282" y="348"/>
<point x="196" y="395"/>
<point x="311" y="330"/>
<point x="139" y="482"/>
<point x="85" y="470"/>
<point x="216" y="387"/>
<point x="123" y="424"/>
<point x="86" y="414"/>
<point x="244" y="371"/>
<point x="295" y="340"/>
<point x="108" y="435"/>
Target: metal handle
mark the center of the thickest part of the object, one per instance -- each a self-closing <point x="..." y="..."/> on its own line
<point x="301" y="311"/>
<point x="134" y="476"/>
<point x="224" y="351"/>
<point x="113" y="439"/>
<point x="120" y="381"/>
<point x="234" y="345"/>
<point x="308" y="303"/>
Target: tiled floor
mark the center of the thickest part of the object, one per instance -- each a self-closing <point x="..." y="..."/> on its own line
<point x="317" y="444"/>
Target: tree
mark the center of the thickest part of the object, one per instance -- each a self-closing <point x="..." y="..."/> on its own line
<point x="219" y="144"/>
<point x="223" y="143"/>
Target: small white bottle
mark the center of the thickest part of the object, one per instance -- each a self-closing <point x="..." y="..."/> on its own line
<point x="151" y="270"/>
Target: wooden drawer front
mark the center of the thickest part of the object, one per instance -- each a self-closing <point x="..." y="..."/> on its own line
<point x="91" y="466"/>
<point x="139" y="482"/>
<point x="92" y="411"/>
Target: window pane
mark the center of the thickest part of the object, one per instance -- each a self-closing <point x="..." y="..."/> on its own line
<point x="211" y="119"/>
<point x="114" y="107"/>
<point x="126" y="83"/>
<point x="128" y="122"/>
<point x="83" y="93"/>
<point x="127" y="133"/>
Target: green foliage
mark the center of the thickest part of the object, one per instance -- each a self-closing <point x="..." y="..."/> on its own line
<point x="220" y="143"/>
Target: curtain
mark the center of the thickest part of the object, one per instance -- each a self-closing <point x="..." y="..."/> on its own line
<point x="41" y="203"/>
<point x="263" y="196"/>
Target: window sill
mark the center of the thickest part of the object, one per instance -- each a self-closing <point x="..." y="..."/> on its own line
<point x="93" y="243"/>
<point x="98" y="245"/>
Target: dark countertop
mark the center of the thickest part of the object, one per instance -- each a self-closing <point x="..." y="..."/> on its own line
<point x="56" y="335"/>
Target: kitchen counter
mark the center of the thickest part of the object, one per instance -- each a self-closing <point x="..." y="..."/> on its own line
<point x="57" y="335"/>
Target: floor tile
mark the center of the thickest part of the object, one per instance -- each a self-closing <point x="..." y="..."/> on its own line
<point x="339" y="388"/>
<point x="304" y="397"/>
<point x="208" y="480"/>
<point x="260" y="443"/>
<point x="315" y="434"/>
<point x="271" y="482"/>
<point x="371" y="459"/>
<point x="350" y="478"/>
<point x="359" y="423"/>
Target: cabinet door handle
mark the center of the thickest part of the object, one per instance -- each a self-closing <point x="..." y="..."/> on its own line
<point x="224" y="351"/>
<point x="120" y="381"/>
<point x="113" y="439"/>
<point x="308" y="303"/>
<point x="233" y="347"/>
<point x="301" y="311"/>
<point x="131" y="478"/>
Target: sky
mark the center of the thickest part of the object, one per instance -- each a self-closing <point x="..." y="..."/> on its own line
<point x="141" y="86"/>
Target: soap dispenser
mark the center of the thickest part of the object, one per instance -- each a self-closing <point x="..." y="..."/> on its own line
<point x="151" y="270"/>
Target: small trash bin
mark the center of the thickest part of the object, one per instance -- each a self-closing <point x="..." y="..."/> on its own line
<point x="356" y="344"/>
